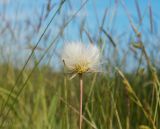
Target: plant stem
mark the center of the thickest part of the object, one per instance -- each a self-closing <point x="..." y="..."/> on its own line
<point x="128" y="109"/>
<point x="81" y="99"/>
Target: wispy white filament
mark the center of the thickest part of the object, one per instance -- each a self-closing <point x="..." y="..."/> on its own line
<point x="80" y="58"/>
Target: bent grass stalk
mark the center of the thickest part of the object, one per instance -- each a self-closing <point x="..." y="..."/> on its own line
<point x="135" y="98"/>
<point x="31" y="54"/>
<point x="77" y="112"/>
<point x="43" y="55"/>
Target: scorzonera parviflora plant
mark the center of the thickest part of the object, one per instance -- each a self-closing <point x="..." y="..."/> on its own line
<point x="80" y="58"/>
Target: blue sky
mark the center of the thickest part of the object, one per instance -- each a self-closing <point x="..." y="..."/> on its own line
<point x="29" y="8"/>
<point x="18" y="11"/>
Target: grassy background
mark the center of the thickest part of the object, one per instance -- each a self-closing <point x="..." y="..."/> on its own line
<point x="51" y="100"/>
<point x="36" y="95"/>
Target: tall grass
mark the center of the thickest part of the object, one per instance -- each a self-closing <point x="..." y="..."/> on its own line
<point x="37" y="96"/>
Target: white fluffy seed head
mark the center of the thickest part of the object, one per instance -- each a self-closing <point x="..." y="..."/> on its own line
<point x="80" y="58"/>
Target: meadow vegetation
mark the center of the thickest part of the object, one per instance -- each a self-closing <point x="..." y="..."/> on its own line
<point x="35" y="94"/>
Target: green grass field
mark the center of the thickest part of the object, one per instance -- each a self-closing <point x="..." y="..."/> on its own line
<point x="38" y="96"/>
<point x="50" y="100"/>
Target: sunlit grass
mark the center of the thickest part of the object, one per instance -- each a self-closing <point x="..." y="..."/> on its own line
<point x="50" y="101"/>
<point x="41" y="97"/>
